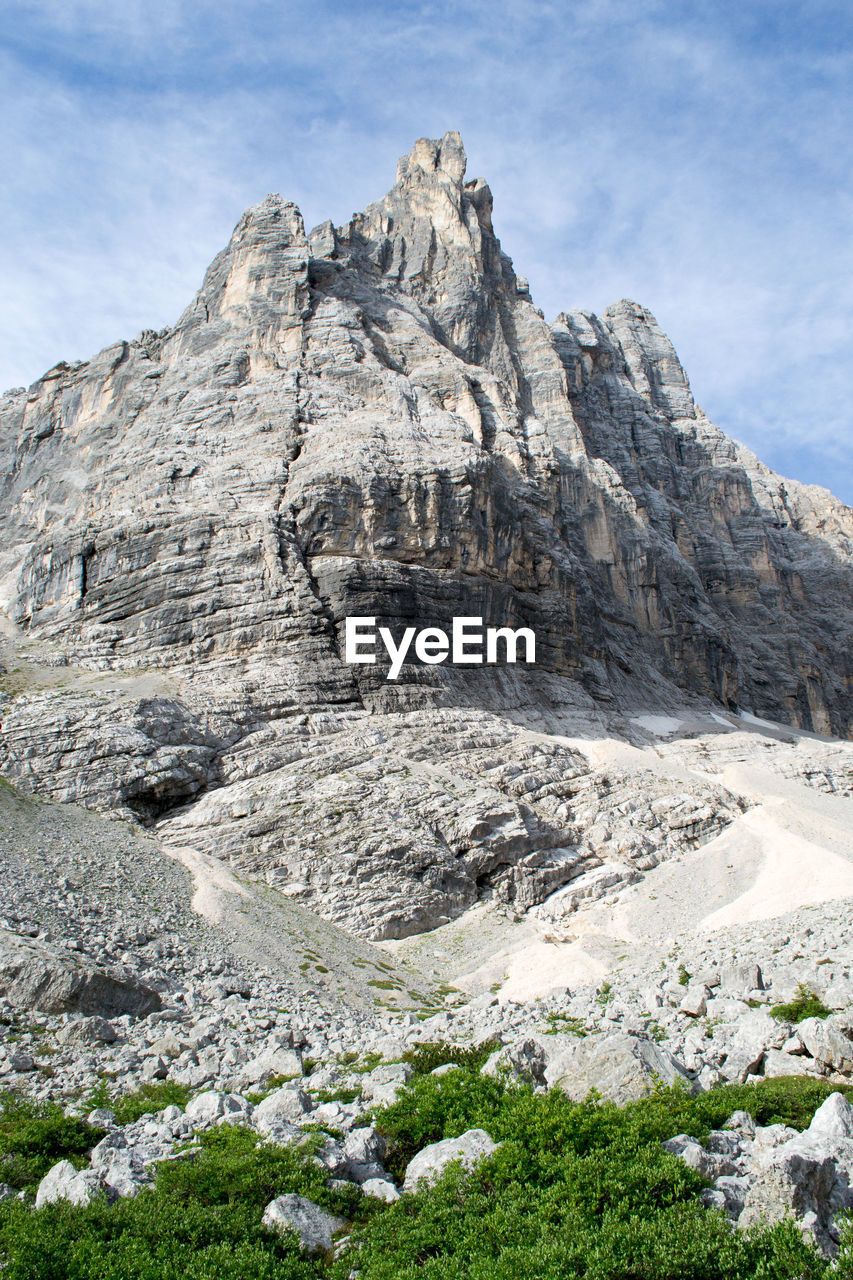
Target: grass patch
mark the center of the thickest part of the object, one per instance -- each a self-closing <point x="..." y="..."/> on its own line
<point x="564" y="1023"/>
<point x="338" y="1095"/>
<point x="368" y="1063"/>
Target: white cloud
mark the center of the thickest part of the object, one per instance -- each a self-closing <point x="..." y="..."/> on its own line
<point x="635" y="148"/>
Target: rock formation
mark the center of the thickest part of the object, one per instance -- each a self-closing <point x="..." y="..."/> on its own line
<point x="375" y="419"/>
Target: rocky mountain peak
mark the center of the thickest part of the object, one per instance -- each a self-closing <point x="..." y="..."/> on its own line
<point x="440" y="159"/>
<point x="376" y="418"/>
<point x="376" y="421"/>
<point x="260" y="280"/>
<point x="653" y="367"/>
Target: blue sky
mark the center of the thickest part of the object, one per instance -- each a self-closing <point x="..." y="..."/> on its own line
<point x="694" y="156"/>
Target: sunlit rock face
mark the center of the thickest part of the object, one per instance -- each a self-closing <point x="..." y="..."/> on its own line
<point x="376" y="420"/>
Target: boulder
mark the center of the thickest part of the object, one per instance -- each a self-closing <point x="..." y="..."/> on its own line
<point x="314" y="1226"/>
<point x="620" y="1066"/>
<point x="709" y="1164"/>
<point x="381" y="1189"/>
<point x="272" y="1062"/>
<point x="332" y="1157"/>
<point x="35" y="976"/>
<point x="741" y="1123"/>
<point x="102" y="1118"/>
<point x="20" y="1060"/>
<point x="734" y="1191"/>
<point x="740" y="979"/>
<point x="365" y="1150"/>
<point x="756" y="1032"/>
<point x="524" y="1059"/>
<point x="281" y="1110"/>
<point x="64" y="1182"/>
<point x="839" y="994"/>
<point x="793" y="1183"/>
<point x="213" y="1107"/>
<point x="825" y="1040"/>
<point x="833" y="1120"/>
<point x="430" y="1163"/>
<point x="385" y="1081"/>
<point x="93" y="1030"/>
<point x="694" y="1002"/>
<point x="777" y="1063"/>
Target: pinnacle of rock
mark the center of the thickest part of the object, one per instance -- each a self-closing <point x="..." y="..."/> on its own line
<point x="431" y="158"/>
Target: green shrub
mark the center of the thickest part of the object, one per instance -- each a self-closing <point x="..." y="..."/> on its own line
<point x="35" y="1135"/>
<point x="433" y="1107"/>
<point x="147" y="1099"/>
<point x="439" y="1053"/>
<point x="576" y="1190"/>
<point x="200" y="1221"/>
<point x="805" y="1004"/>
<point x="236" y="1167"/>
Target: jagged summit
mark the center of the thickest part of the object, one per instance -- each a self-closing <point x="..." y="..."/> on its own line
<point x="445" y="158"/>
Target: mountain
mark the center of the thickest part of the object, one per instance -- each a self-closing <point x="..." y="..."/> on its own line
<point x="375" y="420"/>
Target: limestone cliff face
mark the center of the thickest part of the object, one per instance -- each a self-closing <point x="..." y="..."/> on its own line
<point x="378" y="415"/>
<point x="375" y="419"/>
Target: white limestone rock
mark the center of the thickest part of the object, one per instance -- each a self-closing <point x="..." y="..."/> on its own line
<point x="429" y="1163"/>
<point x="214" y="1107"/>
<point x="64" y="1182"/>
<point x="314" y="1226"/>
<point x="622" y="1067"/>
<point x="281" y="1110"/>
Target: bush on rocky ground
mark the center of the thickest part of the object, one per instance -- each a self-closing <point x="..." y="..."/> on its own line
<point x="805" y="1004"/>
<point x="574" y="1189"/>
<point x="35" y="1135"/>
<point x="148" y="1098"/>
<point x="200" y="1221"/>
<point x="427" y="1057"/>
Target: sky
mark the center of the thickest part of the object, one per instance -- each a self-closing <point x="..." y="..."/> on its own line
<point x="691" y="154"/>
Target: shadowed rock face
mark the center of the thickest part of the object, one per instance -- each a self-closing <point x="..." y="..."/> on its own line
<point x="375" y="419"/>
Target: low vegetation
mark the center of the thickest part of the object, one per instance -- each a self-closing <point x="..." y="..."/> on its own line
<point x="427" y="1057"/>
<point x="575" y="1190"/>
<point x="565" y="1024"/>
<point x="805" y="1004"/>
<point x="34" y="1135"/>
<point x="145" y="1100"/>
<point x="201" y="1221"/>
